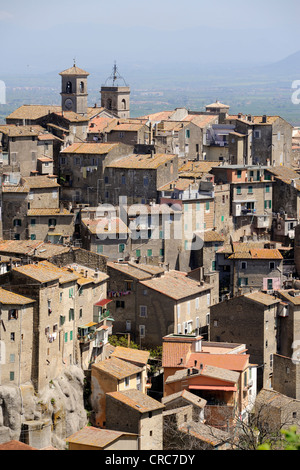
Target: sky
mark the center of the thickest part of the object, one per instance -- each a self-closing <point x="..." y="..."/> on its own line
<point x="37" y="37"/>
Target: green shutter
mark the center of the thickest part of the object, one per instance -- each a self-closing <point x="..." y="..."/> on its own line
<point x="137" y="253"/>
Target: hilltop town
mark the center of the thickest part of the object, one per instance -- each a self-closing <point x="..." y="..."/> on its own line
<point x="149" y="275"/>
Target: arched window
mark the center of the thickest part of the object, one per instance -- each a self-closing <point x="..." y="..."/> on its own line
<point x="123" y="104"/>
<point x="109" y="104"/>
<point x="81" y="87"/>
<point x="69" y="87"/>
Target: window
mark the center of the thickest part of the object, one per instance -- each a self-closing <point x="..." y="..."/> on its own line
<point x="270" y="284"/>
<point x="71" y="314"/>
<point x="12" y="337"/>
<point x="142" y="331"/>
<point x="257" y="134"/>
<point x="146" y="181"/>
<point x="143" y="311"/>
<point x="13" y="314"/>
<point x="239" y="173"/>
<point x="189" y="308"/>
<point x="250" y="189"/>
<point x="268" y="204"/>
<point x="120" y="304"/>
<point x="123" y="179"/>
<point x="32" y="236"/>
<point x="213" y="265"/>
<point x="32" y="222"/>
<point x="243" y="265"/>
<point x="17" y="223"/>
<point x="138" y="253"/>
<point x="238" y="190"/>
<point x="99" y="248"/>
<point x="128" y="325"/>
<point x="178" y="312"/>
<point x="242" y="281"/>
<point x="52" y="222"/>
<point x="149" y="252"/>
<point x="71" y="292"/>
<point x="66" y="337"/>
<point x="197" y="303"/>
<point x="80" y="313"/>
<point x="127" y="381"/>
<point x="207" y="204"/>
<point x="11" y="376"/>
<point x="267" y="188"/>
<point x="62" y="320"/>
<point x="81" y="88"/>
<point x="49" y="307"/>
<point x="272" y="265"/>
<point x="121" y="248"/>
<point x="161" y="252"/>
<point x="187" y="133"/>
<point x="207" y="318"/>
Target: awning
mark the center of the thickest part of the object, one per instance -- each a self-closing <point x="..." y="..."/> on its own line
<point x="103" y="302"/>
<point x="213" y="387"/>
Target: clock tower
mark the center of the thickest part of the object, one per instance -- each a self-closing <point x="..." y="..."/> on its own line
<point x="115" y="96"/>
<point x="74" y="90"/>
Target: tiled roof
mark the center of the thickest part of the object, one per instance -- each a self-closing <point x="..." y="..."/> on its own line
<point x="175" y="284"/>
<point x="39" y="249"/>
<point x="157" y="117"/>
<point x="131" y="355"/>
<point x="33" y="111"/>
<point x="195" y="167"/>
<point x="262" y="298"/>
<point x="213" y="236"/>
<point x="117" y="368"/>
<point x="12" y="130"/>
<point x="90" y="148"/>
<point x="15" y="445"/>
<point x="186" y="395"/>
<point x="217" y="104"/>
<point x="48" y="212"/>
<point x="201" y="120"/>
<point x="96" y="437"/>
<point x="74" y="71"/>
<point x="129" y="270"/>
<point x="180" y="185"/>
<point x="209" y="371"/>
<point x="46" y="272"/>
<point x="101" y="124"/>
<point x="234" y="362"/>
<point x="71" y="116"/>
<point x="30" y="182"/>
<point x="10" y="298"/>
<point x="205" y="433"/>
<point x="105" y="226"/>
<point x="142" y="161"/>
<point x="137" y="400"/>
<point x="261" y="253"/>
<point x="291" y="295"/>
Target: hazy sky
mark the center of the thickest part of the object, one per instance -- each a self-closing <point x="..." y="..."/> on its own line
<point x="44" y="36"/>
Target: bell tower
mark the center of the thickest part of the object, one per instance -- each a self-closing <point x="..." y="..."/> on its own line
<point x="114" y="96"/>
<point x="74" y="90"/>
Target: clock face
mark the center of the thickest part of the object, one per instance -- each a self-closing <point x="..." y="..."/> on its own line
<point x="69" y="104"/>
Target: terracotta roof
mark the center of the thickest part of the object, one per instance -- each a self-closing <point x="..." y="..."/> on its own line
<point x="159" y="116"/>
<point x="91" y="148"/>
<point x="208" y="371"/>
<point x="142" y="161"/>
<point x="101" y="124"/>
<point x="15" y="445"/>
<point x="105" y="226"/>
<point x="38" y="248"/>
<point x="12" y="130"/>
<point x="180" y="185"/>
<point x="30" y="182"/>
<point x="71" y="116"/>
<point x="137" y="400"/>
<point x="131" y="355"/>
<point x="213" y="236"/>
<point x="46" y="272"/>
<point x="33" y="111"/>
<point x="186" y="395"/>
<point x="48" y="212"/>
<point x="129" y="270"/>
<point x="205" y="433"/>
<point x="217" y="104"/>
<point x="96" y="437"/>
<point x="260" y="253"/>
<point x="117" y="368"/>
<point x="262" y="298"/>
<point x="195" y="167"/>
<point x="291" y="295"/>
<point x="234" y="362"/>
<point x="201" y="121"/>
<point x="175" y="284"/>
<point x="74" y="71"/>
<point x="10" y="298"/>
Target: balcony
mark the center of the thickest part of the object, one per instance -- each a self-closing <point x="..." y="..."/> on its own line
<point x="87" y="333"/>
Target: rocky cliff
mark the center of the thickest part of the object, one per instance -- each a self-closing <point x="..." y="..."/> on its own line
<point x="46" y="418"/>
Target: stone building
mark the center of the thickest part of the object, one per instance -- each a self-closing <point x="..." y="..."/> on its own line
<point x="81" y="171"/>
<point x="219" y="373"/>
<point x="91" y="438"/>
<point x="267" y="139"/>
<point x="138" y="413"/>
<point x="113" y="374"/>
<point x="29" y="148"/>
<point x="286" y="374"/>
<point x="37" y="214"/>
<point x="16" y="319"/>
<point x="64" y="300"/>
<point x="276" y="410"/>
<point x="138" y="177"/>
<point x="251" y="319"/>
<point x="115" y="96"/>
<point x="150" y="303"/>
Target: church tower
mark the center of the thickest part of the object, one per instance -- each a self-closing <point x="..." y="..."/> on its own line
<point x="74" y="90"/>
<point x="115" y="97"/>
